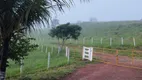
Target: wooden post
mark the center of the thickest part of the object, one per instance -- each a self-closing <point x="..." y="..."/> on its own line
<point x="116" y="57"/>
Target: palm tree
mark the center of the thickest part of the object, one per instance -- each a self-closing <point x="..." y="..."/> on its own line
<point x="22" y="14"/>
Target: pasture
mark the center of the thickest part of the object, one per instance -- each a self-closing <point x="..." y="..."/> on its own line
<point x="106" y="35"/>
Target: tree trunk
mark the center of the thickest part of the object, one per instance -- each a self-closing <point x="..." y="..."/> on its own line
<point x="4" y="57"/>
<point x="63" y="42"/>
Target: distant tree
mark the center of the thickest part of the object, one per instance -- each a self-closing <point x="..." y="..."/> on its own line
<point x="65" y="32"/>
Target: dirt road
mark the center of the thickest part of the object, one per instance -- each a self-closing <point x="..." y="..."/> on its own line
<point x="103" y="71"/>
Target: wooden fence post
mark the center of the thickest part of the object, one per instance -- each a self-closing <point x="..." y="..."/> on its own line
<point x="117" y="57"/>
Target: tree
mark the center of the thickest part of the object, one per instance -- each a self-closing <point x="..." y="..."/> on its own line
<point x="65" y="32"/>
<point x="20" y="46"/>
<point x="22" y="14"/>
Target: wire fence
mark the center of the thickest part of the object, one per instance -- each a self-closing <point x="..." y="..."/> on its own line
<point x="130" y="58"/>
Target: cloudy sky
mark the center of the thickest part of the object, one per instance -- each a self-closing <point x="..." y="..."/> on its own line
<point x="103" y="10"/>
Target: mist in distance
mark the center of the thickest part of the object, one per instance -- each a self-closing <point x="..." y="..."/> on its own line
<point x="102" y="10"/>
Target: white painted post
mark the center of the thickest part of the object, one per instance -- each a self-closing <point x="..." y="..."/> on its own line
<point x="122" y="41"/>
<point x="48" y="62"/>
<point x="110" y="41"/>
<point x="21" y="66"/>
<point x="66" y="51"/>
<point x="91" y="53"/>
<point x="101" y="41"/>
<point x="68" y="55"/>
<point x="134" y="42"/>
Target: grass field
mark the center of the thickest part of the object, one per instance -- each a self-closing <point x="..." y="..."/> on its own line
<point x="106" y="30"/>
<point x="35" y="65"/>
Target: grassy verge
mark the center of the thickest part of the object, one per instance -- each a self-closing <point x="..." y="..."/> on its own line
<point x="37" y="70"/>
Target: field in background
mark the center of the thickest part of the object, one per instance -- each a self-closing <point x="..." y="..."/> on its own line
<point x="102" y="30"/>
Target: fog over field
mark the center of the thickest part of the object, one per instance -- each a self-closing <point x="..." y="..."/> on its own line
<point x="103" y="10"/>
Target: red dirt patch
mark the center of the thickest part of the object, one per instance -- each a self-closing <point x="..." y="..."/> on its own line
<point x="122" y="60"/>
<point x="105" y="72"/>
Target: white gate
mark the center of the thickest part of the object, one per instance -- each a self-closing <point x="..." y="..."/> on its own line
<point x="87" y="53"/>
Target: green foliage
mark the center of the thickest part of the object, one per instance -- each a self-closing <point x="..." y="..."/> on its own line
<point x="20" y="46"/>
<point x="66" y="31"/>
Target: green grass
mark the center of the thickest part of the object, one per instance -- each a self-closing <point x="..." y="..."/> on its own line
<point x="35" y="65"/>
<point x="36" y="68"/>
<point x="105" y="30"/>
<point x="35" y="61"/>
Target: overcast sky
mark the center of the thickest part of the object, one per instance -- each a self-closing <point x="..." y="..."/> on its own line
<point x="103" y="10"/>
